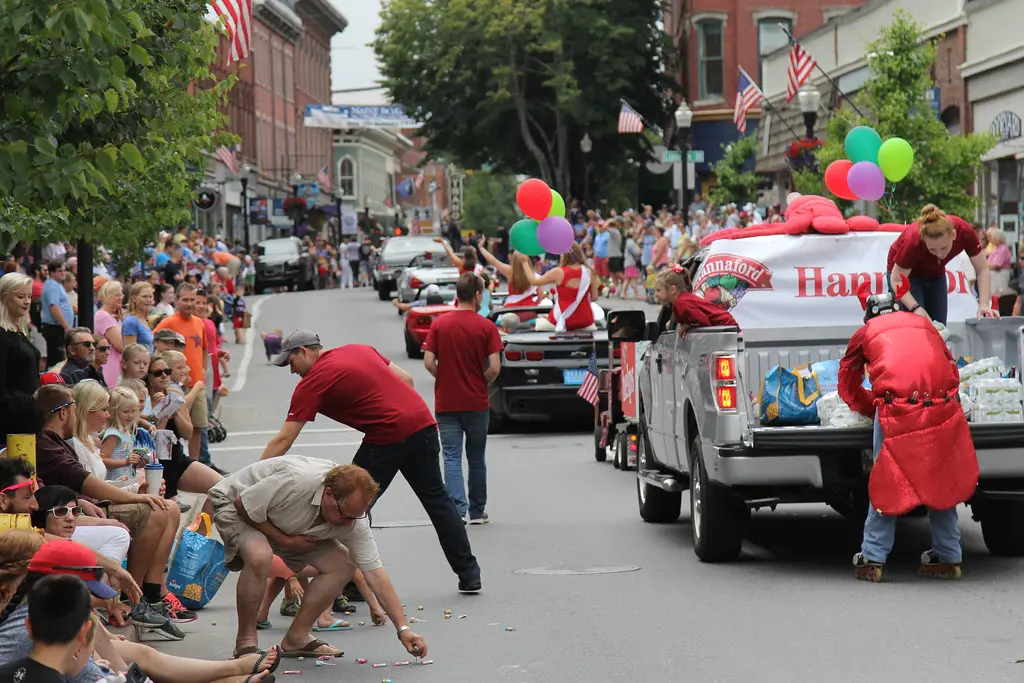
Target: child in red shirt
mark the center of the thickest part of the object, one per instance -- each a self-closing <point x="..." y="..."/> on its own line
<point x="672" y="286"/>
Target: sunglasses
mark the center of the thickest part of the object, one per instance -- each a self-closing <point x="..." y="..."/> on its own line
<point x="84" y="343"/>
<point x="103" y="348"/>
<point x="28" y="483"/>
<point x="157" y="373"/>
<point x="96" y="572"/>
<point x="62" y="406"/>
<point x="62" y="511"/>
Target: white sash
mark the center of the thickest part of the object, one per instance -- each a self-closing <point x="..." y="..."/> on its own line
<point x="516" y="298"/>
<point x="562" y="315"/>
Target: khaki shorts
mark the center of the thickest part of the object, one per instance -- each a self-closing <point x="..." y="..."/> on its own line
<point x="200" y="412"/>
<point x="235" y="533"/>
<point x="132" y="515"/>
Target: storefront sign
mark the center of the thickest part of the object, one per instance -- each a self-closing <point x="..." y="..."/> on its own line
<point x="259" y="211"/>
<point x="808" y="280"/>
<point x="329" y="116"/>
<point x="1006" y="126"/>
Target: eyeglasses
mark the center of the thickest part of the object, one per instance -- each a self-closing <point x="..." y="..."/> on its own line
<point x="348" y="517"/>
<point x="157" y="373"/>
<point x="84" y="343"/>
<point x="62" y="406"/>
<point x="28" y="483"/>
<point x="103" y="348"/>
<point x="97" y="572"/>
<point x="62" y="511"/>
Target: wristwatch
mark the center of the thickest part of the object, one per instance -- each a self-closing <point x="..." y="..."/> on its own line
<point x="402" y="629"/>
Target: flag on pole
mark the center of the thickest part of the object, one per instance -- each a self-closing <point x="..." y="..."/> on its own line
<point x="419" y="179"/>
<point x="228" y="157"/>
<point x="801" y="65"/>
<point x="324" y="178"/>
<point x="629" y="120"/>
<point x="588" y="390"/>
<point x="748" y="95"/>
<point x="387" y="202"/>
<point x="237" y="18"/>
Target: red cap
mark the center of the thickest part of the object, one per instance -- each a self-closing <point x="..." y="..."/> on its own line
<point x="51" y="378"/>
<point x="67" y="557"/>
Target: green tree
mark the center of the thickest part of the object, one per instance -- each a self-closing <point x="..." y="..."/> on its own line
<point x="517" y="83"/>
<point x="488" y="199"/>
<point x="945" y="165"/>
<point x="736" y="181"/>
<point x="101" y="137"/>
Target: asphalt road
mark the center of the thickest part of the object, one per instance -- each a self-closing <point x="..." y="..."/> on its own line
<point x="788" y="611"/>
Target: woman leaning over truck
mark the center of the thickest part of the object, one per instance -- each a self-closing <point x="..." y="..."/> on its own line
<point x="921" y="253"/>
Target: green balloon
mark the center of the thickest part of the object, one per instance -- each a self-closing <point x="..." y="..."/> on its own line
<point x="895" y="158"/>
<point x="523" y="237"/>
<point x="729" y="281"/>
<point x="862" y="144"/>
<point x="557" y="205"/>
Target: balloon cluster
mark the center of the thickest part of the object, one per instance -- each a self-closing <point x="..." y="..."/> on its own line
<point x="869" y="162"/>
<point x="545" y="229"/>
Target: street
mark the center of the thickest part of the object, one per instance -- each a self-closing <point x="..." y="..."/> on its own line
<point x="788" y="611"/>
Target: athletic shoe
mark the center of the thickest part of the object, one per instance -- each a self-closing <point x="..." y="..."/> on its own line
<point x="145" y="616"/>
<point x="470" y="585"/>
<point x="289" y="608"/>
<point x="342" y="606"/>
<point x="482" y="519"/>
<point x="175" y="611"/>
<point x="934" y="568"/>
<point x="866" y="570"/>
<point x="168" y="631"/>
<point x="218" y="470"/>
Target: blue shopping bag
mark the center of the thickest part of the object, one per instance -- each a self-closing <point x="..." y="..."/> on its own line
<point x="826" y="373"/>
<point x="789" y="397"/>
<point x="197" y="565"/>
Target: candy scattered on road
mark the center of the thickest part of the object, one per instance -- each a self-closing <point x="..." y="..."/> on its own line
<point x="510" y="628"/>
<point x="362" y="623"/>
<point x="321" y="662"/>
<point x="420" y="608"/>
<point x="378" y="666"/>
<point x="463" y="616"/>
<point x="291" y="673"/>
<point x="361" y="661"/>
<point x="402" y="663"/>
<point x="427" y="661"/>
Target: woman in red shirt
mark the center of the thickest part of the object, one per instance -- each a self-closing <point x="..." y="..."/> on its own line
<point x="576" y="286"/>
<point x="921" y="253"/>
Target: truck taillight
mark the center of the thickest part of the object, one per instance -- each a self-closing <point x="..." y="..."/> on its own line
<point x="382" y="267"/>
<point x="726" y="397"/>
<point x="617" y="353"/>
<point x="725" y="368"/>
<point x="513" y="355"/>
<point x="632" y="442"/>
<point x="535" y="355"/>
<point x="415" y="283"/>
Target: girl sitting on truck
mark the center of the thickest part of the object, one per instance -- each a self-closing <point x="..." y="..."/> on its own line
<point x="672" y="287"/>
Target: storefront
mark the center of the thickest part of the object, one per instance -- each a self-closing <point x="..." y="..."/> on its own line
<point x="1001" y="182"/>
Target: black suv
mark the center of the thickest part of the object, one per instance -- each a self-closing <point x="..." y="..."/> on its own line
<point x="283" y="262"/>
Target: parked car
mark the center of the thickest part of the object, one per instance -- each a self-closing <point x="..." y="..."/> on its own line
<point x="423" y="270"/>
<point x="284" y="262"/>
<point x="396" y="255"/>
<point x="542" y="371"/>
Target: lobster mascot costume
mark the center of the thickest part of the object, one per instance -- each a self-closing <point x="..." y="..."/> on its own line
<point x="927" y="456"/>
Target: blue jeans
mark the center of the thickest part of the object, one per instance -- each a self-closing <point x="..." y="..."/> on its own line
<point x="204" y="447"/>
<point x="933" y="296"/>
<point x="880" y="530"/>
<point x="471" y="424"/>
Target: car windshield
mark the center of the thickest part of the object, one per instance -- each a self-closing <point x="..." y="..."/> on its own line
<point x="406" y="248"/>
<point x="277" y="248"/>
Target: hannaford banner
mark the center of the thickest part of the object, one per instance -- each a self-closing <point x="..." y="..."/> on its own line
<point x="809" y="280"/>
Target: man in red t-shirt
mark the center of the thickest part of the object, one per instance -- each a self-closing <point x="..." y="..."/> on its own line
<point x="358" y="387"/>
<point x="469" y="348"/>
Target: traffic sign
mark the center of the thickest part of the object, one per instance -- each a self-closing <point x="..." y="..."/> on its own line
<point x="671" y="156"/>
<point x="695" y="156"/>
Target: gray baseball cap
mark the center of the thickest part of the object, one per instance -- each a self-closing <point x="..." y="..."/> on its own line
<point x="168" y="335"/>
<point x="295" y="340"/>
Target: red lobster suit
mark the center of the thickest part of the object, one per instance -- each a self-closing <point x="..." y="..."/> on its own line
<point x="927" y="456"/>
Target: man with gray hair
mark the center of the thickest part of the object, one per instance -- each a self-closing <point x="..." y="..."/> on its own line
<point x="81" y="351"/>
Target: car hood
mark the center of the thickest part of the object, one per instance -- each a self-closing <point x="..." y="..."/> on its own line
<point x="278" y="259"/>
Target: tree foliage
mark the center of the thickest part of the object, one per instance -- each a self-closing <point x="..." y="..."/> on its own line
<point x="488" y="199"/>
<point x="894" y="97"/>
<point x="737" y="182"/>
<point x="100" y="136"/>
<point x="517" y="83"/>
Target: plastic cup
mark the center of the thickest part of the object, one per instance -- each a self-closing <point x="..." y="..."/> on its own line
<point x="154" y="476"/>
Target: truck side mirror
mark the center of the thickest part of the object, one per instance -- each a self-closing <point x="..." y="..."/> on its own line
<point x="627" y="326"/>
<point x="653" y="331"/>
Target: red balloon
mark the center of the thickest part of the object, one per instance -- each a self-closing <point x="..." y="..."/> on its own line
<point x="835" y="179"/>
<point x="534" y="199"/>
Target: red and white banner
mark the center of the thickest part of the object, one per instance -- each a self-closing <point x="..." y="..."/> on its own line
<point x="809" y="280"/>
<point x="629" y="384"/>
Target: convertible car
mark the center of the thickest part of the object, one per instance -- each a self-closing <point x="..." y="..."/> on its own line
<point x="430" y="302"/>
<point x="428" y="268"/>
<point x="542" y="371"/>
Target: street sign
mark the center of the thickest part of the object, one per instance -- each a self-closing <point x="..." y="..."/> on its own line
<point x="671" y="156"/>
<point x="695" y="156"/>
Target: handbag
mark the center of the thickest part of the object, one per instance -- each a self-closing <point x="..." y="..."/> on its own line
<point x="197" y="568"/>
<point x="789" y="397"/>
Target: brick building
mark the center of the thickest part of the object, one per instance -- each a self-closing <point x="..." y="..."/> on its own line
<point x="313" y="81"/>
<point x="717" y="37"/>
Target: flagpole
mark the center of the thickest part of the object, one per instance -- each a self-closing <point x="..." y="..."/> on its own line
<point x="823" y="73"/>
<point x="647" y="123"/>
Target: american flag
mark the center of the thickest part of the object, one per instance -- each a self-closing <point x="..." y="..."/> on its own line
<point x="801" y="65"/>
<point x="588" y="390"/>
<point x="629" y="120"/>
<point x="748" y="95"/>
<point x="419" y="179"/>
<point x="227" y="156"/>
<point x="237" y="17"/>
<point x="324" y="179"/>
<point x="387" y="202"/>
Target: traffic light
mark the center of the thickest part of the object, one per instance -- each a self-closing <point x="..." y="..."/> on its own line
<point x="398" y="232"/>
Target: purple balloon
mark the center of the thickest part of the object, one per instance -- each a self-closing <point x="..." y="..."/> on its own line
<point x="866" y="180"/>
<point x="555" y="234"/>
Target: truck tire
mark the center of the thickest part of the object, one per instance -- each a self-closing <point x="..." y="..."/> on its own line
<point x="657" y="506"/>
<point x="617" y="452"/>
<point x="600" y="452"/>
<point x="717" y="518"/>
<point x="1002" y="526"/>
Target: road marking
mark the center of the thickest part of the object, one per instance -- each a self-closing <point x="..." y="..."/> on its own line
<point x="243" y="370"/>
<point x="270" y="432"/>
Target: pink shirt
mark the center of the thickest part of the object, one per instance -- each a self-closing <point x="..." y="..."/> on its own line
<point x="112" y="368"/>
<point x="213" y="344"/>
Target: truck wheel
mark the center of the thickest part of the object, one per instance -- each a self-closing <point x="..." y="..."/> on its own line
<point x="496" y="424"/>
<point x="1002" y="525"/>
<point x="657" y="506"/>
<point x="600" y="452"/>
<point x="717" y="518"/>
<point x="617" y="452"/>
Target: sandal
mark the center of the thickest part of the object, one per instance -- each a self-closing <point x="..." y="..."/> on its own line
<point x="264" y="625"/>
<point x="338" y="625"/>
<point x="308" y="650"/>
<point x="252" y="650"/>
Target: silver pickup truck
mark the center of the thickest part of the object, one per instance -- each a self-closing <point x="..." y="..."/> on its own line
<point x="699" y="431"/>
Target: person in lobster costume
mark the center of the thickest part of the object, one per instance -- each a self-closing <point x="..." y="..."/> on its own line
<point x="923" y="451"/>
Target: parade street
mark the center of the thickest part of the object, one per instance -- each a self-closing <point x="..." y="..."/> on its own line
<point x="788" y="611"/>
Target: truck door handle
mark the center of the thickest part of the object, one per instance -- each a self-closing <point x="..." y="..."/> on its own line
<point x="659" y="362"/>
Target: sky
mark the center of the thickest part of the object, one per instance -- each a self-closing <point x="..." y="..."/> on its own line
<point x="353" y="64"/>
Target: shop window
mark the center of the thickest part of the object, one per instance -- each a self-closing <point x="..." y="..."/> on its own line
<point x="347" y="178"/>
<point x="710" y="63"/>
<point x="951" y="118"/>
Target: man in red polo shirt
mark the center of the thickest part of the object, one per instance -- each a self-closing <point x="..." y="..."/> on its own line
<point x="469" y="348"/>
<point x="358" y="387"/>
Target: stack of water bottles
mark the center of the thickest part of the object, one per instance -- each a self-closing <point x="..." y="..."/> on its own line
<point x="988" y="395"/>
<point x="833" y="412"/>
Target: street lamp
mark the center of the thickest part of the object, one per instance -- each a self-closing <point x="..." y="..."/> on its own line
<point x="586" y="145"/>
<point x="296" y="181"/>
<point x="684" y="118"/>
<point x="810" y="100"/>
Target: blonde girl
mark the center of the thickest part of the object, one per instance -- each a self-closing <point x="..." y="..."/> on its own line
<point x="135" y="327"/>
<point x="117" y="443"/>
<point x="108" y="324"/>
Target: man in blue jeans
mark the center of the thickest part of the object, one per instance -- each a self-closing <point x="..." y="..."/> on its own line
<point x="463" y="353"/>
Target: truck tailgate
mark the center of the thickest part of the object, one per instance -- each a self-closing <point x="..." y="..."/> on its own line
<point x="820" y="440"/>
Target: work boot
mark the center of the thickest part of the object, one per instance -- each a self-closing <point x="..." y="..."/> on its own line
<point x="866" y="570"/>
<point x="934" y="568"/>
